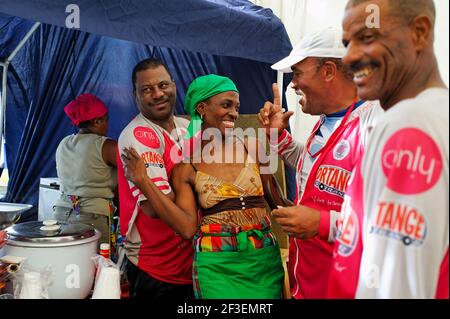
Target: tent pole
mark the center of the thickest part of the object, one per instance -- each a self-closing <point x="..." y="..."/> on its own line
<point x="3" y="102"/>
<point x="5" y="65"/>
<point x="22" y="42"/>
<point x="280" y="85"/>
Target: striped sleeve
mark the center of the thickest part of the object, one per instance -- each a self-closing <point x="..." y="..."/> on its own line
<point x="288" y="149"/>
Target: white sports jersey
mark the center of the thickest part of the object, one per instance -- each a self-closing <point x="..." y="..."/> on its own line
<point x="150" y="243"/>
<point x="406" y="204"/>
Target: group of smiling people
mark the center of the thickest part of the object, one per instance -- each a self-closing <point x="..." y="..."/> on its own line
<point x="197" y="224"/>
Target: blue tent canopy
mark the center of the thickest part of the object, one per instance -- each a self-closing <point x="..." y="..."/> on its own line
<point x="194" y="37"/>
<point x="234" y="28"/>
<point x="12" y="31"/>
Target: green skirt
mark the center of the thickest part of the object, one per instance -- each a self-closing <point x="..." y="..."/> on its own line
<point x="247" y="273"/>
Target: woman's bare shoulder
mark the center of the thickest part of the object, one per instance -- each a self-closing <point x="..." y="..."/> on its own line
<point x="183" y="170"/>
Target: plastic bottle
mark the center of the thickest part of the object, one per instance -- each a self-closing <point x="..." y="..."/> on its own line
<point x="105" y="250"/>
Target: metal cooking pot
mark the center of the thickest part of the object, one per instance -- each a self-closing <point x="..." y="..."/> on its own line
<point x="67" y="247"/>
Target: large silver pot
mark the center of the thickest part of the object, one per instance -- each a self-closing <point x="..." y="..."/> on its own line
<point x="68" y="250"/>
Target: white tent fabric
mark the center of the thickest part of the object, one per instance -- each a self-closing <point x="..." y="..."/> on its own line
<point x="305" y="16"/>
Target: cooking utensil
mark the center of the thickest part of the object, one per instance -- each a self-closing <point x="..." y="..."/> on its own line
<point x="68" y="250"/>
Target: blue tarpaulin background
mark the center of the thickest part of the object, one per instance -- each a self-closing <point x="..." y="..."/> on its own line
<point x="233" y="38"/>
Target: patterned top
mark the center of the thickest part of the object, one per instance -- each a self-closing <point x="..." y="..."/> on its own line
<point x="211" y="190"/>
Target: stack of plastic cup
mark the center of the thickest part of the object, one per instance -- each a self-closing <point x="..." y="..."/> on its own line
<point x="107" y="285"/>
<point x="31" y="286"/>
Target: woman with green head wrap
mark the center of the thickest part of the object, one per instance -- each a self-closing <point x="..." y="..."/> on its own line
<point x="198" y="94"/>
<point x="236" y="253"/>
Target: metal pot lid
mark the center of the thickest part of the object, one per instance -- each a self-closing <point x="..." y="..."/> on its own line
<point x="40" y="232"/>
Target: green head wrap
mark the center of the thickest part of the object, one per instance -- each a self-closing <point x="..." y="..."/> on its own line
<point x="200" y="89"/>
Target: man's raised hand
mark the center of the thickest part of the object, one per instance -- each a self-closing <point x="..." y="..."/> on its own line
<point x="271" y="114"/>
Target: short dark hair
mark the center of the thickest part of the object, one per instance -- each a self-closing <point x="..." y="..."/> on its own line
<point x="145" y="65"/>
<point x="345" y="70"/>
<point x="405" y="9"/>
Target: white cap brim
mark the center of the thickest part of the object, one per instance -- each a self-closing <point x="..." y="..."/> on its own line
<point x="285" y="64"/>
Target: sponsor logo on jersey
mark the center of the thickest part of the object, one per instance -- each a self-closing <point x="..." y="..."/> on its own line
<point x="147" y="136"/>
<point x="348" y="232"/>
<point x="332" y="179"/>
<point x="411" y="161"/>
<point x="341" y="150"/>
<point x="400" y="222"/>
<point x="152" y="159"/>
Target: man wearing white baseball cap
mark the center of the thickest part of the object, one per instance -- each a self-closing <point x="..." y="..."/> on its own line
<point x="325" y="162"/>
<point x="326" y="43"/>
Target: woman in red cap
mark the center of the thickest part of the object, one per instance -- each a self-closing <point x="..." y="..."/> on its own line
<point x="86" y="167"/>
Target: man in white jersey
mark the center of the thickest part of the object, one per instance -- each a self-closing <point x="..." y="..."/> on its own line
<point x="405" y="168"/>
<point x="160" y="261"/>
<point x="324" y="163"/>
